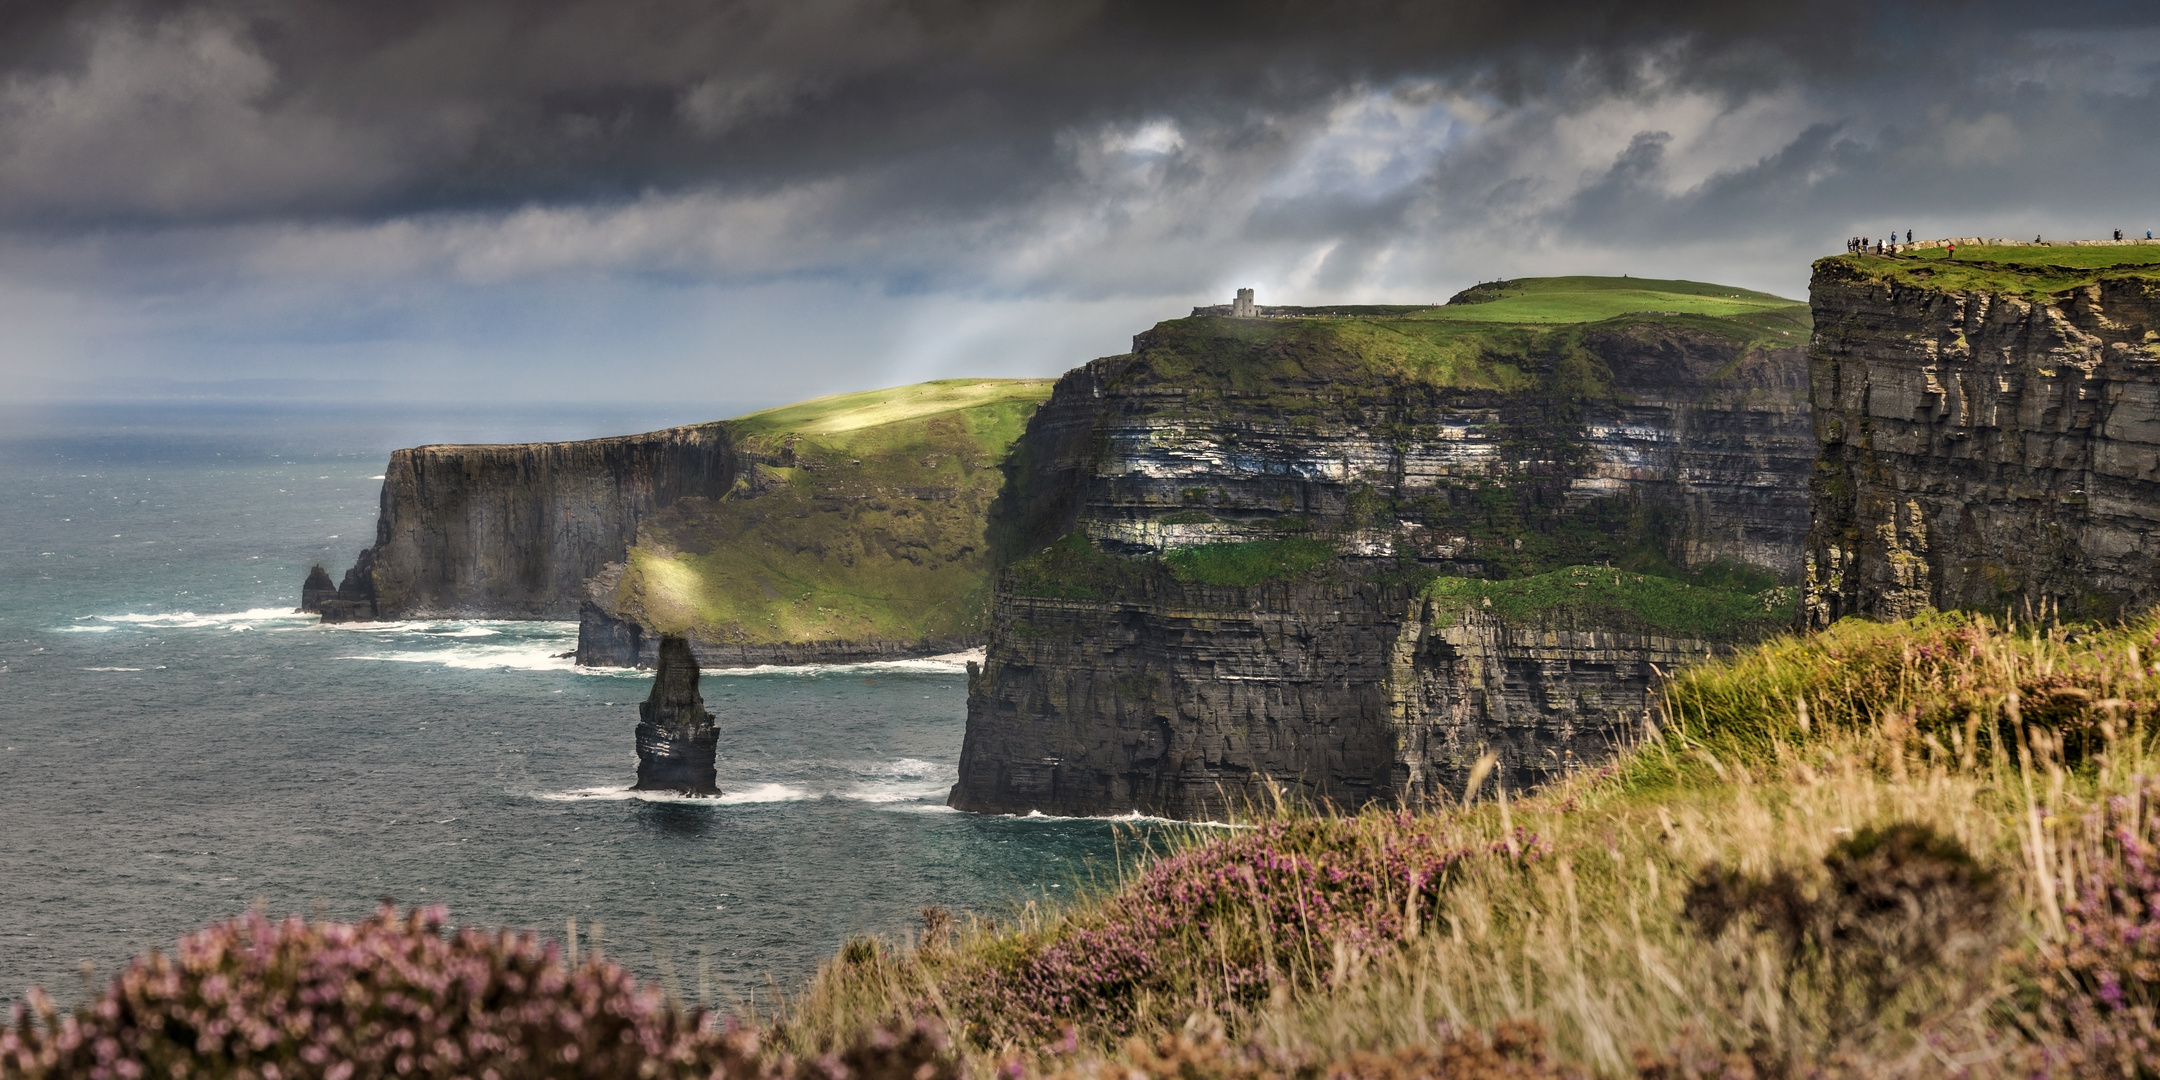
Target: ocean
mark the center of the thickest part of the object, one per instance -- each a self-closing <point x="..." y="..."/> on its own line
<point x="176" y="746"/>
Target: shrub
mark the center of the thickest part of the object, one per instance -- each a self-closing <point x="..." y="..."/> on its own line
<point x="1293" y="902"/>
<point x="1892" y="904"/>
<point x="394" y="996"/>
<point x="1514" y="1050"/>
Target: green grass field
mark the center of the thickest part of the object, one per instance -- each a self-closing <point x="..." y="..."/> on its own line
<point x="1542" y="301"/>
<point x="2034" y="273"/>
<point x="875" y="532"/>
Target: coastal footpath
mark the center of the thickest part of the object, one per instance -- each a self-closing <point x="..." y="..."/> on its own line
<point x="1252" y="555"/>
<point x="1990" y="432"/>
<point x="846" y="528"/>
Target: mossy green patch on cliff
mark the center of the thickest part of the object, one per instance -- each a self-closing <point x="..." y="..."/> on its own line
<point x="1074" y="569"/>
<point x="1251" y="563"/>
<point x="2038" y="274"/>
<point x="860" y="518"/>
<point x="1621" y="601"/>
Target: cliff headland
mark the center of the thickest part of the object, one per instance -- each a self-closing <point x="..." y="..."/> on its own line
<point x="1234" y="557"/>
<point x="1990" y="432"/>
<point x="845" y="528"/>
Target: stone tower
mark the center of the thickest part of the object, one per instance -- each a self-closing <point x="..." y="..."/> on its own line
<point x="1243" y="307"/>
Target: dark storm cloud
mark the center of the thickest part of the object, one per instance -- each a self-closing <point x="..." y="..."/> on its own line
<point x="772" y="199"/>
<point x="168" y="113"/>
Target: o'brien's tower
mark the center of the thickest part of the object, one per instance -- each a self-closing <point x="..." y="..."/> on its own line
<point x="675" y="735"/>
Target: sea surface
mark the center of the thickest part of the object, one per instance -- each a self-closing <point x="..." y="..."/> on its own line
<point x="176" y="746"/>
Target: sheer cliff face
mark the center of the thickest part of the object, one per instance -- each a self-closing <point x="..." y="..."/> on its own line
<point x="513" y="531"/>
<point x="1679" y="440"/>
<point x="1632" y="441"/>
<point x="1982" y="450"/>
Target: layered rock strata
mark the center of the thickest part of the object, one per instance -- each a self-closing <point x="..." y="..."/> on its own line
<point x="676" y="739"/>
<point x="1651" y="442"/>
<point x="513" y="531"/>
<point x="1195" y="702"/>
<point x="1981" y="449"/>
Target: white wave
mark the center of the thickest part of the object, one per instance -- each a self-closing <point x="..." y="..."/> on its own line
<point x="465" y="632"/>
<point x="189" y="620"/>
<point x="544" y="656"/>
<point x="112" y="669"/>
<point x="906" y="780"/>
<point x="943" y="664"/>
<point x="762" y="793"/>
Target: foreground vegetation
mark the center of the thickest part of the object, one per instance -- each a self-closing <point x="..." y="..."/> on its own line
<point x="1921" y="849"/>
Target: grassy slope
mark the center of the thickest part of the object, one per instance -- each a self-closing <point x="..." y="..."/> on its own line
<point x="1509" y="336"/>
<point x="2034" y="273"/>
<point x="876" y="532"/>
<point x="1591" y="299"/>
<point x="1567" y="906"/>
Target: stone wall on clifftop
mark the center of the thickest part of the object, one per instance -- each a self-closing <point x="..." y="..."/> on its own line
<point x="1982" y="448"/>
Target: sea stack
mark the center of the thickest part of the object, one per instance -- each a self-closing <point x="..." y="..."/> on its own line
<point x="317" y="589"/>
<point x="675" y="735"/>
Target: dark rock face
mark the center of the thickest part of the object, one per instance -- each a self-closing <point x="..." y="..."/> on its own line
<point x="317" y="589"/>
<point x="355" y="599"/>
<point x="1180" y="699"/>
<point x="1189" y="701"/>
<point x="1983" y="451"/>
<point x="675" y="735"/>
<point x="513" y="531"/>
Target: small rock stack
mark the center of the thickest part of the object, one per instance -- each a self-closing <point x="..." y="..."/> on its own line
<point x="675" y="735"/>
<point x="317" y="589"/>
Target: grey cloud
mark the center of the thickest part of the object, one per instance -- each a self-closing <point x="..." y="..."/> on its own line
<point x="238" y="108"/>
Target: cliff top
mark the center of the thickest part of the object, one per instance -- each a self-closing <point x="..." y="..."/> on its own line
<point x="1505" y="336"/>
<point x="1533" y="301"/>
<point x="2031" y="271"/>
<point x="858" y="517"/>
<point x="842" y="414"/>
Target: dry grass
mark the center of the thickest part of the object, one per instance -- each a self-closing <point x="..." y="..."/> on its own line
<point x="2013" y="741"/>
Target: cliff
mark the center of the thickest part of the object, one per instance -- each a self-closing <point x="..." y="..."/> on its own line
<point x="1217" y="550"/>
<point x="1990" y="433"/>
<point x="843" y="529"/>
<point x="853" y="530"/>
<point x="513" y="531"/>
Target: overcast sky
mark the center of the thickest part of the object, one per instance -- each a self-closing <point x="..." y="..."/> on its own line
<point x="741" y="204"/>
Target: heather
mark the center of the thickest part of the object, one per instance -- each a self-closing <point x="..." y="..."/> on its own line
<point x="394" y="995"/>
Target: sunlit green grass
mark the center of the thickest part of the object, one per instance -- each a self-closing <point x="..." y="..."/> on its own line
<point x="874" y="533"/>
<point x="1592" y="299"/>
<point x="2034" y="273"/>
